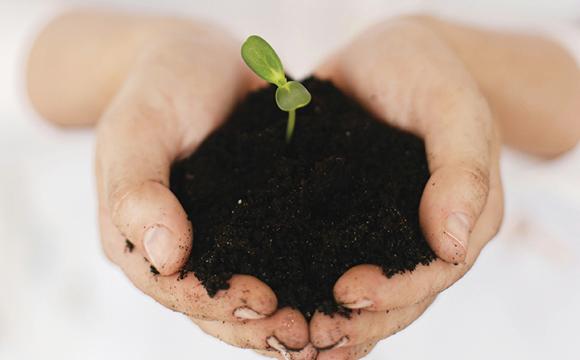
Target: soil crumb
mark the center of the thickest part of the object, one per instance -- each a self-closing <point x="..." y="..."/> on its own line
<point x="344" y="192"/>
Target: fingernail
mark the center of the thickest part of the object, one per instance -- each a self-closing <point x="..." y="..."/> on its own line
<point x="457" y="228"/>
<point x="275" y="344"/>
<point x="159" y="243"/>
<point x="359" y="304"/>
<point x="340" y="343"/>
<point x="245" y="313"/>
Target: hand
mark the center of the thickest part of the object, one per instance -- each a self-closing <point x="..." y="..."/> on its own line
<point x="186" y="79"/>
<point x="177" y="92"/>
<point x="407" y="76"/>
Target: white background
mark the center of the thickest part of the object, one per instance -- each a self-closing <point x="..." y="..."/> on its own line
<point x="61" y="299"/>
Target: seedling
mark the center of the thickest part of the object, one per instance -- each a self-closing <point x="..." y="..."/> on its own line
<point x="263" y="60"/>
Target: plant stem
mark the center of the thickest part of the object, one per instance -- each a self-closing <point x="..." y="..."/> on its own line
<point x="290" y="126"/>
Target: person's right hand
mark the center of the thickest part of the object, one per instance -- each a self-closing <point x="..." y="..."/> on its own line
<point x="179" y="88"/>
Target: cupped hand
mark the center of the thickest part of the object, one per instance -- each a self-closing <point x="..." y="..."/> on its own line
<point x="177" y="92"/>
<point x="408" y="77"/>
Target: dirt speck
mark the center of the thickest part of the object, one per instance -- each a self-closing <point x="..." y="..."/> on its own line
<point x="344" y="192"/>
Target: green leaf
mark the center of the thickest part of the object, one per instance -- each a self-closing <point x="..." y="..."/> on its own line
<point x="292" y="95"/>
<point x="263" y="60"/>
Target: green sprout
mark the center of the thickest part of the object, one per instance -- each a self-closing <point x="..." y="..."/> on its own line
<point x="263" y="60"/>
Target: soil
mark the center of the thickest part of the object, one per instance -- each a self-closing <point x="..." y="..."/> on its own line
<point x="344" y="192"/>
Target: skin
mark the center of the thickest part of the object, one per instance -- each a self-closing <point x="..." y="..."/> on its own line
<point x="423" y="88"/>
<point x="162" y="98"/>
<point x="435" y="85"/>
<point x="156" y="87"/>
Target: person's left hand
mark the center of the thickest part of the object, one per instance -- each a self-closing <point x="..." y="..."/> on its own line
<point x="407" y="76"/>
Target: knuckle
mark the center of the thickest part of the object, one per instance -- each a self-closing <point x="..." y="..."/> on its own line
<point x="117" y="195"/>
<point x="478" y="179"/>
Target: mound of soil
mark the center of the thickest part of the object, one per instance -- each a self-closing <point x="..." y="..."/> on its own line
<point x="344" y="192"/>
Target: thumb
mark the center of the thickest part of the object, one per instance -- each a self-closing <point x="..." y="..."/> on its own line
<point x="451" y="204"/>
<point x="135" y="147"/>
<point x="458" y="141"/>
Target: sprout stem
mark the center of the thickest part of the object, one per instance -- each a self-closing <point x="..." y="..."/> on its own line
<point x="290" y="126"/>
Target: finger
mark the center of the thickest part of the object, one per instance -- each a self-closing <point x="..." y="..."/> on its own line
<point x="366" y="286"/>
<point x="286" y="330"/>
<point x="348" y="353"/>
<point x="332" y="332"/>
<point x="156" y="117"/>
<point x="458" y="136"/>
<point x="246" y="298"/>
<point x="134" y="154"/>
<point x="307" y="353"/>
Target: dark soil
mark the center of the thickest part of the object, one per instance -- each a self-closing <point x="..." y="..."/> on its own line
<point x="344" y="192"/>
